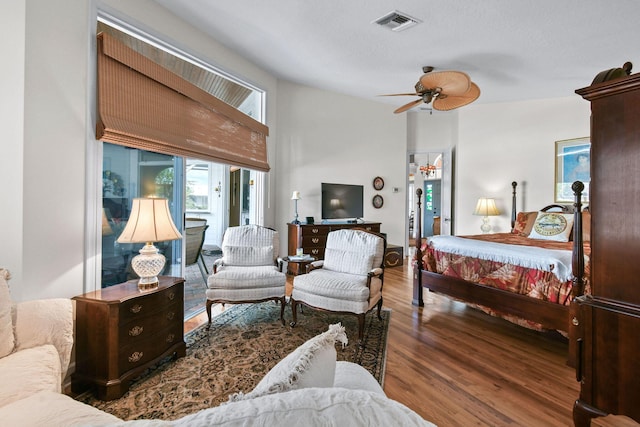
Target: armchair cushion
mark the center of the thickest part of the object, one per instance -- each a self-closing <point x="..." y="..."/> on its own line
<point x="247" y="255"/>
<point x="6" y="325"/>
<point x="235" y="277"/>
<point x="313" y="364"/>
<point x="348" y="261"/>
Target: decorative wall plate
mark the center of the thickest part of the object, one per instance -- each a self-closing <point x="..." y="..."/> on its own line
<point x="378" y="183"/>
<point x="377" y="201"/>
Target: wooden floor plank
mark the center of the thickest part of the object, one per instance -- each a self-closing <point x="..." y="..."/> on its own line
<point x="457" y="366"/>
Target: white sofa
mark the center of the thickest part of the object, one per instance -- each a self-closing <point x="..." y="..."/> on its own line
<point x="308" y="387"/>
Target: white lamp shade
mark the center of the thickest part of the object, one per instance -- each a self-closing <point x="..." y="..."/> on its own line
<point x="150" y="221"/>
<point x="486" y="207"/>
<point x="295" y="195"/>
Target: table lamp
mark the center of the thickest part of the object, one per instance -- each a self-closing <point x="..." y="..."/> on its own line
<point x="295" y="197"/>
<point x="150" y="221"/>
<point x="486" y="207"/>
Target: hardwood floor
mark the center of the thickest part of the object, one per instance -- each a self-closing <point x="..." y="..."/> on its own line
<point x="456" y="366"/>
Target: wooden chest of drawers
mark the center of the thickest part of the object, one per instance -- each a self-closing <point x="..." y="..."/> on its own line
<point x="121" y="331"/>
<point x="312" y="238"/>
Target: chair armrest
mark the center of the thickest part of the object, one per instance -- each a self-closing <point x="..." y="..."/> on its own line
<point x="315" y="265"/>
<point x="376" y="272"/>
<point x="46" y="321"/>
<point x="217" y="263"/>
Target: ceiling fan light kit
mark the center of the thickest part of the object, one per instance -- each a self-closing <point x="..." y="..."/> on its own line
<point x="445" y="90"/>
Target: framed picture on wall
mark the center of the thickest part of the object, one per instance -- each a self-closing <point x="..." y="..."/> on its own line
<point x="573" y="163"/>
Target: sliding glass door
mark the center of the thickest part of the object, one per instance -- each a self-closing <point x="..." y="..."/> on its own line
<point x="129" y="173"/>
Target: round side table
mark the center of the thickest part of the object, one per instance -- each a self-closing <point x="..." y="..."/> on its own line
<point x="300" y="264"/>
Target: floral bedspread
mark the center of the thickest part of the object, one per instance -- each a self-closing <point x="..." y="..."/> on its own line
<point x="534" y="283"/>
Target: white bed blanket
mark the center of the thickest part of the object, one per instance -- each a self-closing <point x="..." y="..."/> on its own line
<point x="555" y="261"/>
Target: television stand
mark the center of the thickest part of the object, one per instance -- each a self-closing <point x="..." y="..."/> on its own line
<point x="312" y="238"/>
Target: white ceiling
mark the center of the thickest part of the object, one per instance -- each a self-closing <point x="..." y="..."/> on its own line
<point x="513" y="49"/>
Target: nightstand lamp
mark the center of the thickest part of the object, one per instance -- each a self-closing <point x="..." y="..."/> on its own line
<point x="486" y="207"/>
<point x="150" y="221"/>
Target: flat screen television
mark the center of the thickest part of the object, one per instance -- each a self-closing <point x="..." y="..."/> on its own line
<point x="342" y="201"/>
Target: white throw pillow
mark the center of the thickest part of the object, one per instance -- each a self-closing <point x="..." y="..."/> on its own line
<point x="348" y="261"/>
<point x="313" y="364"/>
<point x="29" y="371"/>
<point x="552" y="226"/>
<point x="247" y="255"/>
<point x="7" y="340"/>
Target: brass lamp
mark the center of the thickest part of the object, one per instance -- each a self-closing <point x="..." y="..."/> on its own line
<point x="486" y="207"/>
<point x="295" y="197"/>
<point x="150" y="221"/>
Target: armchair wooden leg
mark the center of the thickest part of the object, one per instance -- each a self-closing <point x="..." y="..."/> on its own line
<point x="380" y="309"/>
<point x="361" y="329"/>
<point x="294" y="312"/>
<point x="209" y="304"/>
<point x="283" y="302"/>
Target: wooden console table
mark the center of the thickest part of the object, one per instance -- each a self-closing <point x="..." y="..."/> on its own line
<point x="312" y="238"/>
<point x="121" y="331"/>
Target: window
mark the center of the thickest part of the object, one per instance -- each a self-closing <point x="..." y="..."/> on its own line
<point x="198" y="186"/>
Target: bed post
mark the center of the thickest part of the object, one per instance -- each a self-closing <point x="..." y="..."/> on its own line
<point x="514" y="206"/>
<point x="417" y="268"/>
<point x="577" y="262"/>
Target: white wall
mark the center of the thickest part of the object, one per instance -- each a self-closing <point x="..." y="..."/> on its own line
<point x="328" y="137"/>
<point x="12" y="44"/>
<point x="501" y="143"/>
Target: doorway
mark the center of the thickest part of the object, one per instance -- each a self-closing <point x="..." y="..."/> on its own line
<point x="431" y="172"/>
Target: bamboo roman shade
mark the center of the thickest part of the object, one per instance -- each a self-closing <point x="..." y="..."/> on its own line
<point x="145" y="106"/>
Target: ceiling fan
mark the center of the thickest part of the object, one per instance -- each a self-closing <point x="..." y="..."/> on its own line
<point x="446" y="90"/>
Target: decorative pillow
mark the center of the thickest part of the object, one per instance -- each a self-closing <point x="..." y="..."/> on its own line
<point x="313" y="364"/>
<point x="524" y="223"/>
<point x="7" y="340"/>
<point x="347" y="261"/>
<point x="552" y="226"/>
<point x="247" y="255"/>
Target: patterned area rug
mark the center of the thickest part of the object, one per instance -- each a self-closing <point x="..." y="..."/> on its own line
<point x="244" y="343"/>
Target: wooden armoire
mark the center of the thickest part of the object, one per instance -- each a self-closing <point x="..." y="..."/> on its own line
<point x="606" y="323"/>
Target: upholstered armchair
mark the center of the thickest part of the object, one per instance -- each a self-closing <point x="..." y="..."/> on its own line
<point x="349" y="280"/>
<point x="249" y="270"/>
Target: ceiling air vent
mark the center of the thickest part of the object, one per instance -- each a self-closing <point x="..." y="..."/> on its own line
<point x="396" y="21"/>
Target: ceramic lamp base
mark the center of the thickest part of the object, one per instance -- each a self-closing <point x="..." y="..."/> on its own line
<point x="485" y="227"/>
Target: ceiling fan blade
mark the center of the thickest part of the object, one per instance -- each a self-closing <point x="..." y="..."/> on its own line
<point x="452" y="102"/>
<point x="451" y="82"/>
<point x="402" y="94"/>
<point x="408" y="106"/>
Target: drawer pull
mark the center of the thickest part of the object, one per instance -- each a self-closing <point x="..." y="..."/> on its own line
<point x="136" y="356"/>
<point x="171" y="315"/>
<point x="575" y="321"/>
<point x="315" y="240"/>
<point x="368" y="228"/>
<point x="136" y="308"/>
<point x="315" y="251"/>
<point x="172" y="295"/>
<point x="135" y="331"/>
<point x="171" y="337"/>
<point x="315" y="230"/>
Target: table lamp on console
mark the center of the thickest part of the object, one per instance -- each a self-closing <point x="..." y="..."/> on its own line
<point x="150" y="221"/>
<point x="295" y="197"/>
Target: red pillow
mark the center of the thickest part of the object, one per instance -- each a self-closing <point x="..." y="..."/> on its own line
<point x="524" y="223"/>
